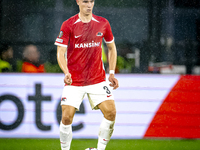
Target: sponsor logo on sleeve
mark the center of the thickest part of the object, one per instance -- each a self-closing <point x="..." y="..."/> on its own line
<point x="59" y="40"/>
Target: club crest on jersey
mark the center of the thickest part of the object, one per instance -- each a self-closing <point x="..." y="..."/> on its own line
<point x="60" y="34"/>
<point x="99" y="34"/>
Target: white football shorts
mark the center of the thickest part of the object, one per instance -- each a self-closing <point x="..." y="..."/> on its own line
<point x="97" y="93"/>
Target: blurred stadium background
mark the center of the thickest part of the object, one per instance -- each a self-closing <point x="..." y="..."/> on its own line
<point x="158" y="44"/>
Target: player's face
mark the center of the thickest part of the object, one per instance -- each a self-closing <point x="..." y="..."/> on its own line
<point x="86" y="6"/>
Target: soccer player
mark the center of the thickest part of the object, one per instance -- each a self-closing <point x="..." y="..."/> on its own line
<point x="79" y="55"/>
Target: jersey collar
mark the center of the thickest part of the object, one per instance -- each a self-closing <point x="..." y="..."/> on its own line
<point x="79" y="20"/>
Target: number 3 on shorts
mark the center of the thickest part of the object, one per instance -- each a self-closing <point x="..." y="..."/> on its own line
<point x="107" y="90"/>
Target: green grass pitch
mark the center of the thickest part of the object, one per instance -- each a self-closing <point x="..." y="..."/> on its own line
<point x="81" y="144"/>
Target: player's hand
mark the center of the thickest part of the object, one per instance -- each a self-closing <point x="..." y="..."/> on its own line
<point x="114" y="82"/>
<point x="68" y="79"/>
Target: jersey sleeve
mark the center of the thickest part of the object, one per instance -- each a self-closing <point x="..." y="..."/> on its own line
<point x="108" y="37"/>
<point x="63" y="37"/>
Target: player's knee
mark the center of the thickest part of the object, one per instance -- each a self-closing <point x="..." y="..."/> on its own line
<point x="67" y="119"/>
<point x="110" y="114"/>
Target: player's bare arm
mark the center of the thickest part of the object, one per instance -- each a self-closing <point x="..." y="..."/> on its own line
<point x="63" y="64"/>
<point x="112" y="56"/>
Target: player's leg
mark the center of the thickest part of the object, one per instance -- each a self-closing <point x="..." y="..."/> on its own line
<point x="101" y="97"/>
<point x="72" y="97"/>
<point x="107" y="125"/>
<point x="66" y="126"/>
<point x="108" y="109"/>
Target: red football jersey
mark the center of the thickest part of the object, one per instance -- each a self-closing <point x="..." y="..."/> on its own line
<point x="84" y="51"/>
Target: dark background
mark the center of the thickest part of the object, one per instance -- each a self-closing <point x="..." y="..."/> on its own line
<point x="163" y="30"/>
